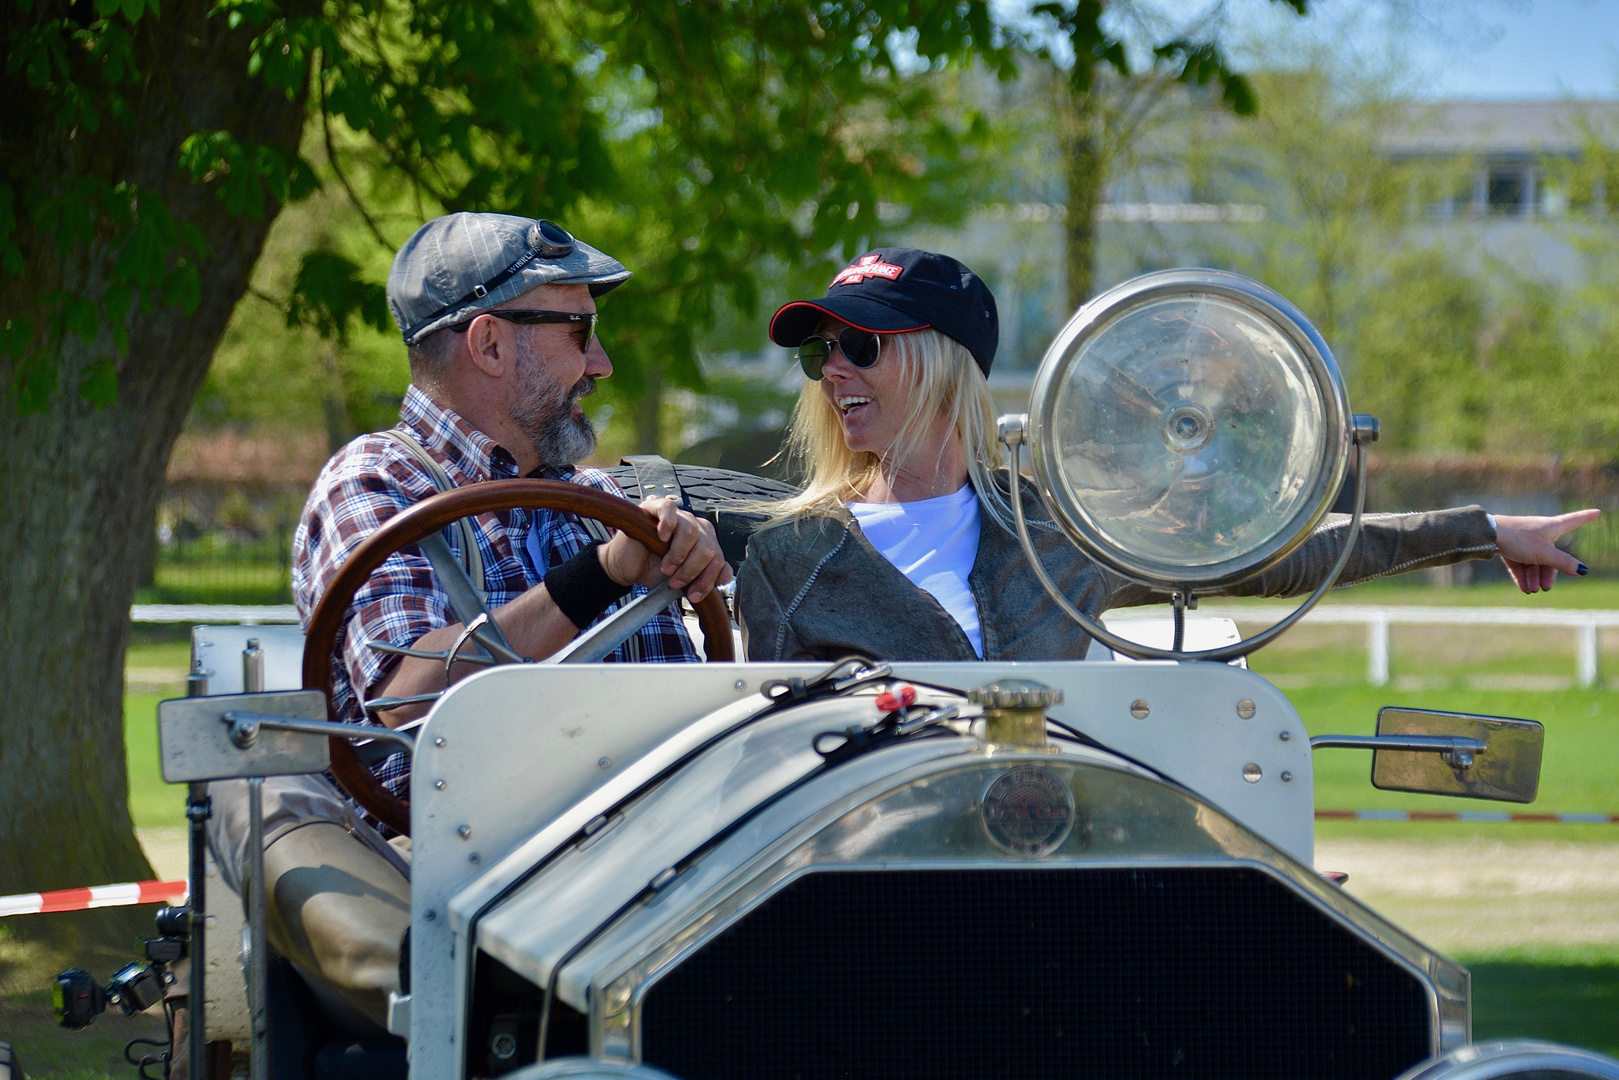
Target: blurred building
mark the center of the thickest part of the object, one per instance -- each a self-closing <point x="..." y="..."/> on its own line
<point x="1513" y="181"/>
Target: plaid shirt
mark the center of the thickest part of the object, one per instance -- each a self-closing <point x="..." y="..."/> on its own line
<point x="372" y="479"/>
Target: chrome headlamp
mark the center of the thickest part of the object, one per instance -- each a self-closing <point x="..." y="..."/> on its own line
<point x="1189" y="430"/>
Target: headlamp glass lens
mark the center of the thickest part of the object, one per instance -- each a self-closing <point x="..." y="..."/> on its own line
<point x="1191" y="431"/>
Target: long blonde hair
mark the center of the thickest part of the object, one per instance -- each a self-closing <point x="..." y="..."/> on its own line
<point x="944" y="380"/>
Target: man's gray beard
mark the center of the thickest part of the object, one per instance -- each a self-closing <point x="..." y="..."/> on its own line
<point x="543" y="412"/>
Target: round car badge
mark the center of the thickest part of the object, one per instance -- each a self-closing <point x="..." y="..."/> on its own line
<point x="1028" y="810"/>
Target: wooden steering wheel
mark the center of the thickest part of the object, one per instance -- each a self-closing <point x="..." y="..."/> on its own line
<point x="423" y="520"/>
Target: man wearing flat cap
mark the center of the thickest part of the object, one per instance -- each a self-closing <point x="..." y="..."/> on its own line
<point x="498" y="315"/>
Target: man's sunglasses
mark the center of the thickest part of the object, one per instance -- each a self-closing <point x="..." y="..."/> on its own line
<point x="860" y="348"/>
<point x="530" y="318"/>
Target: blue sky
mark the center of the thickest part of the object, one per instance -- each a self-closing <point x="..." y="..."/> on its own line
<point x="1544" y="48"/>
<point x="1483" y="48"/>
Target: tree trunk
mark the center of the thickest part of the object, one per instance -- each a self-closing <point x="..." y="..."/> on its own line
<point x="1084" y="162"/>
<point x="79" y="484"/>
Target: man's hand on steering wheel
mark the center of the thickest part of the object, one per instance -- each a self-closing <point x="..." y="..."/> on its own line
<point x="693" y="562"/>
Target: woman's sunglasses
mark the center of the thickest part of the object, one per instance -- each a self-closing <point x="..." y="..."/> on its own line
<point x="860" y="348"/>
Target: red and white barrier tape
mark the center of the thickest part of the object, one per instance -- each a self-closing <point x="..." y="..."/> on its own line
<point x="96" y="896"/>
<point x="1490" y="816"/>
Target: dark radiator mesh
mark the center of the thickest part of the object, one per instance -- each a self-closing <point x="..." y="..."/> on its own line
<point x="978" y="974"/>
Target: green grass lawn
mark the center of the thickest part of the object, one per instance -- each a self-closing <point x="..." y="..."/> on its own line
<point x="149" y="664"/>
<point x="48" y="1052"/>
<point x="1566" y="999"/>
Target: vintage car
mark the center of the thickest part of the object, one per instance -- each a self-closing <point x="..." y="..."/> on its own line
<point x="872" y="869"/>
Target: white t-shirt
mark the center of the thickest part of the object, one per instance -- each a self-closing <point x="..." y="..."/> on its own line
<point x="932" y="542"/>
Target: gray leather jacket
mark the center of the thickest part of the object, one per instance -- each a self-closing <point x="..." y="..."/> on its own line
<point x="813" y="587"/>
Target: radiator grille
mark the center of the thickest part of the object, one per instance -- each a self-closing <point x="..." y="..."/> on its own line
<point x="1038" y="973"/>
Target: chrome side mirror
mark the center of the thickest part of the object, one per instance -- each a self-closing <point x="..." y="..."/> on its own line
<point x="1506" y="768"/>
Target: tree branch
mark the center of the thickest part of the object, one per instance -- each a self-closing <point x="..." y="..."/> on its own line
<point x="337" y="170"/>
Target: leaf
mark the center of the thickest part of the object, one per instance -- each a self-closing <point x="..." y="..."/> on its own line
<point x="183" y="286"/>
<point x="329" y="292"/>
<point x="99" y="386"/>
<point x="34" y="382"/>
<point x="15" y="335"/>
<point x="141" y="262"/>
<point x="1239" y="95"/>
<point x="80" y="318"/>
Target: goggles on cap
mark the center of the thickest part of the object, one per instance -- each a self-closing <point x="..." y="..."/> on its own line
<point x="546" y="240"/>
<point x="860" y="348"/>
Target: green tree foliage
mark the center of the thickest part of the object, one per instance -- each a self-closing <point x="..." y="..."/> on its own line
<point x="150" y="144"/>
<point x="760" y="142"/>
<point x="1454" y="350"/>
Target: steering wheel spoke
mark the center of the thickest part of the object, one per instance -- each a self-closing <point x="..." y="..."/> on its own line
<point x="420" y="525"/>
<point x="467" y="601"/>
<point x="423" y="654"/>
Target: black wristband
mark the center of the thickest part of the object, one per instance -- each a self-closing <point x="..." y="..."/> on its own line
<point x="581" y="589"/>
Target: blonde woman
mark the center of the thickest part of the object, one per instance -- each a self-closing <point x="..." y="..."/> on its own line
<point x="902" y="546"/>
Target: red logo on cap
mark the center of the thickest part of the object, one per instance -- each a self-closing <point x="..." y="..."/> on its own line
<point x="864" y="267"/>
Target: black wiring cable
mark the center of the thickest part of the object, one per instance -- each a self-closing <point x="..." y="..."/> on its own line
<point x="1096" y="744"/>
<point x="163" y="1058"/>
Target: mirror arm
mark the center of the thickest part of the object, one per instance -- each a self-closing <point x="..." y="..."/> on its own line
<point x="1364" y="430"/>
<point x="1439" y="744"/>
<point x="1457" y="750"/>
<point x="245" y="728"/>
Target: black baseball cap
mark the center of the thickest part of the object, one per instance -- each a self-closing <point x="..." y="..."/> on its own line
<point x="895" y="290"/>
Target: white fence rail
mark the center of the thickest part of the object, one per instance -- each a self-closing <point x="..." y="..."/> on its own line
<point x="214" y="614"/>
<point x="1377" y="620"/>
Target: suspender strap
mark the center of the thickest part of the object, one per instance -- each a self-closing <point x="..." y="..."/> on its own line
<point x="471" y="559"/>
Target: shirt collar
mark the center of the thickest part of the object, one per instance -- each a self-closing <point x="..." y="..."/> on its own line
<point x="554" y="472"/>
<point x="448" y="436"/>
